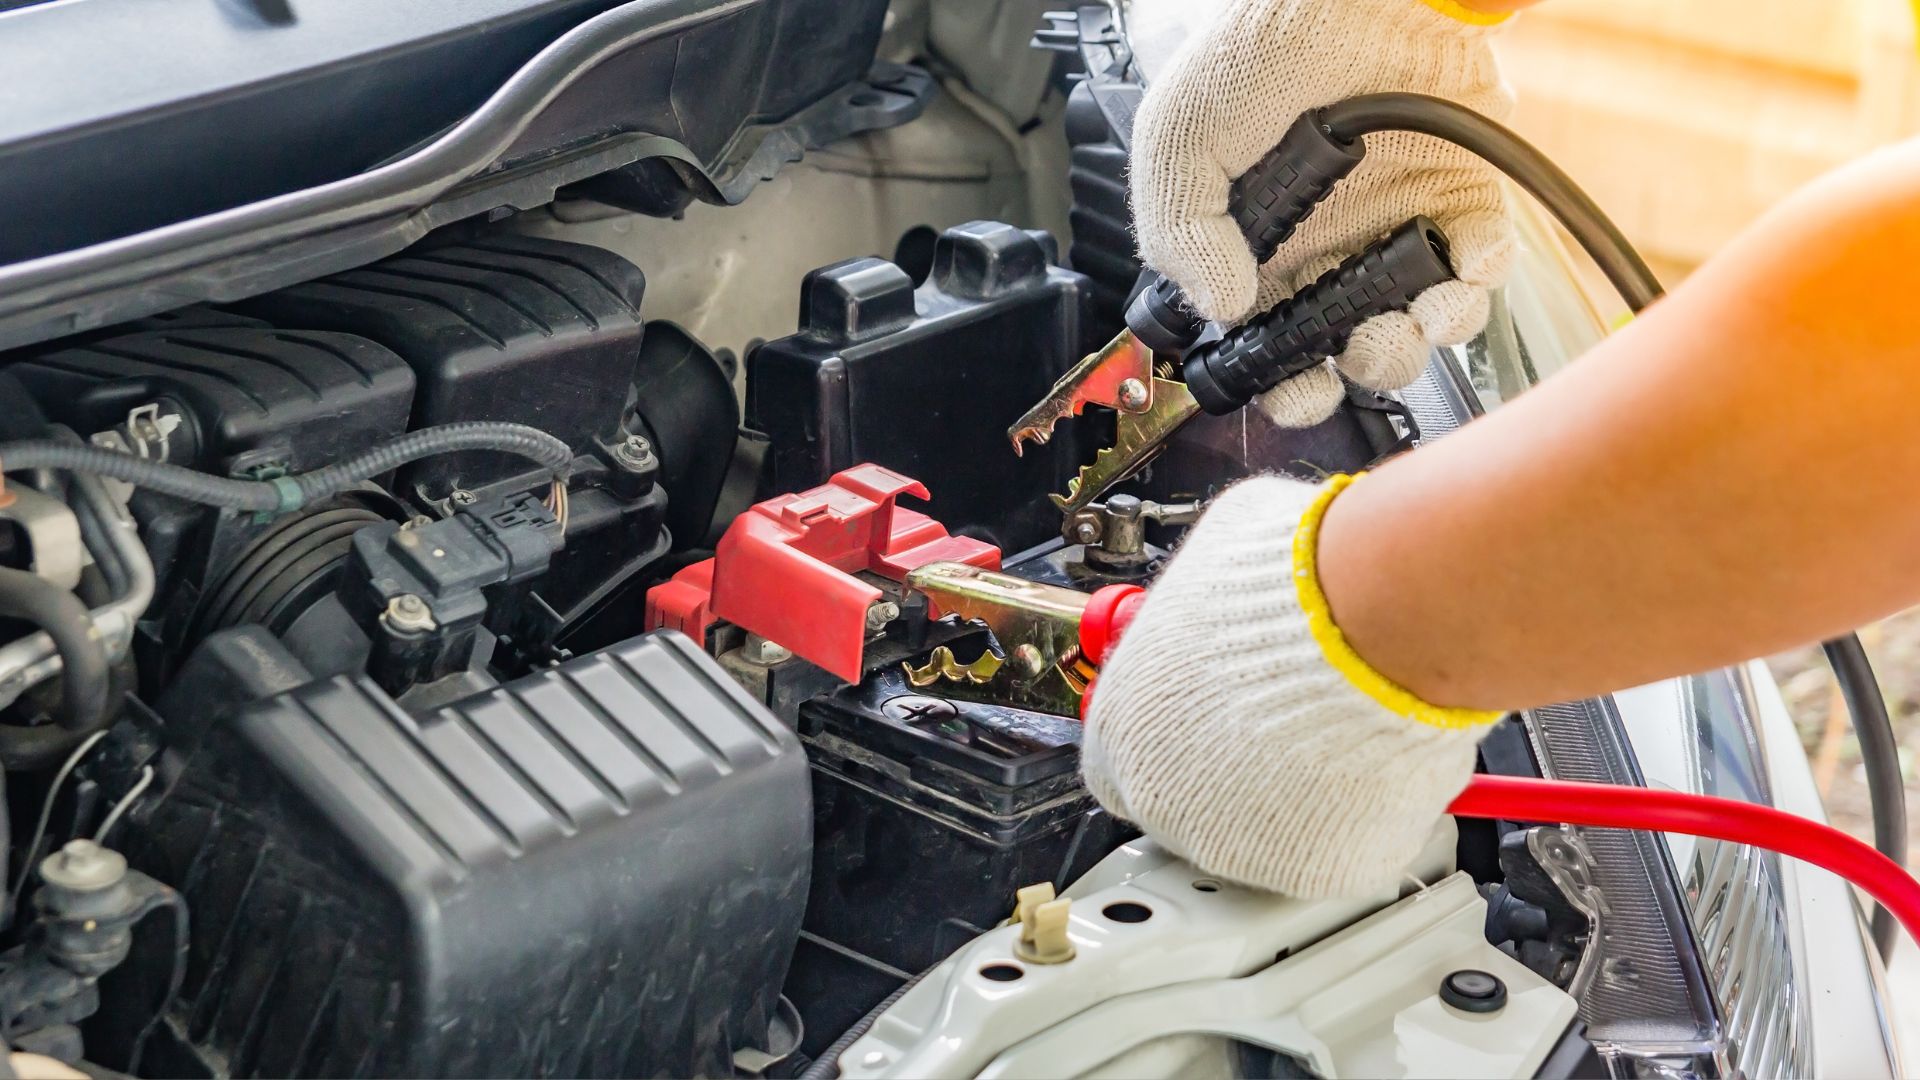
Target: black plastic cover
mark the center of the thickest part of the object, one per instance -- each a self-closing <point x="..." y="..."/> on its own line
<point x="597" y="870"/>
<point x="926" y="381"/>
<point x="500" y="327"/>
<point x="249" y="395"/>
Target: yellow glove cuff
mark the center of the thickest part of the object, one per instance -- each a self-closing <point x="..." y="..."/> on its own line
<point x="1333" y="644"/>
<point x="1454" y="9"/>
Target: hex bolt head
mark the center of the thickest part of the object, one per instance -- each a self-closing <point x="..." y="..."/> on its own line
<point x="1132" y="394"/>
<point x="408" y="614"/>
<point x="83" y="866"/>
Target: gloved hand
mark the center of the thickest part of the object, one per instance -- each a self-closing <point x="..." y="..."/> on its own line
<point x="1225" y="79"/>
<point x="1234" y="725"/>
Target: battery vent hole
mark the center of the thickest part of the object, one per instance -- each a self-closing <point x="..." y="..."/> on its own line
<point x="1126" y="911"/>
<point x="1207" y="884"/>
<point x="1001" y="972"/>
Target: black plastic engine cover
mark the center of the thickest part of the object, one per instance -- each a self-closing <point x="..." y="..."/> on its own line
<point x="597" y="870"/>
<point x="501" y="327"/>
<point x="926" y="381"/>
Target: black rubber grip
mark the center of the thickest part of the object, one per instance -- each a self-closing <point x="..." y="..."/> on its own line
<point x="1315" y="322"/>
<point x="1268" y="202"/>
<point x="1271" y="199"/>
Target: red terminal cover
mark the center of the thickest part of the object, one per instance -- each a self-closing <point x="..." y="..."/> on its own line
<point x="785" y="568"/>
<point x="1108" y="613"/>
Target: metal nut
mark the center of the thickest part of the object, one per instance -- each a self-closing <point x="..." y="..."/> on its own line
<point x="1086" y="530"/>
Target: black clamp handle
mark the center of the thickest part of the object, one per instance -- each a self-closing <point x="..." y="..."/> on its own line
<point x="1268" y="202"/>
<point x="1315" y="323"/>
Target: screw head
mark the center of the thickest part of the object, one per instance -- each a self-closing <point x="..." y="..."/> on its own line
<point x="462" y="497"/>
<point x="1132" y="394"/>
<point x="83" y="866"/>
<point x="918" y="708"/>
<point x="409" y="614"/>
<point x="634" y="452"/>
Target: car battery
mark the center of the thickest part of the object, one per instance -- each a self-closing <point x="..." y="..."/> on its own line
<point x="929" y="811"/>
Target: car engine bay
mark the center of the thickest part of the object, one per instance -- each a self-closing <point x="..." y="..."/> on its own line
<point x="746" y="741"/>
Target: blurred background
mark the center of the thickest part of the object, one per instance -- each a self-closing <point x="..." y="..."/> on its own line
<point x="1686" y="119"/>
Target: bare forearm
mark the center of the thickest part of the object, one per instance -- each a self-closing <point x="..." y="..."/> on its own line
<point x="1728" y="476"/>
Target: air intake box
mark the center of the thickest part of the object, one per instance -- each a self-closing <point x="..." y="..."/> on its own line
<point x="597" y="870"/>
<point x="500" y="327"/>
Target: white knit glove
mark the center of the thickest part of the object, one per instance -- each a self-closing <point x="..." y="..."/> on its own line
<point x="1221" y="728"/>
<point x="1226" y="78"/>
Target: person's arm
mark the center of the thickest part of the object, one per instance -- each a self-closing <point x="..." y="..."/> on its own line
<point x="1730" y="475"/>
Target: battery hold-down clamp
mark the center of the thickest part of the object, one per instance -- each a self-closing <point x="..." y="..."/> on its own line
<point x="788" y="568"/>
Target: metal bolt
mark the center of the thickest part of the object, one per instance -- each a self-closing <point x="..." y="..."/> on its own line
<point x="83" y="865"/>
<point x="761" y="651"/>
<point x="1087" y="531"/>
<point x="635" y="453"/>
<point x="918" y="709"/>
<point x="880" y="614"/>
<point x="408" y="614"/>
<point x="462" y="497"/>
<point x="1133" y="394"/>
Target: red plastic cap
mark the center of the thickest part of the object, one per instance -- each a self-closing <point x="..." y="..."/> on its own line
<point x="786" y="568"/>
<point x="1109" y="612"/>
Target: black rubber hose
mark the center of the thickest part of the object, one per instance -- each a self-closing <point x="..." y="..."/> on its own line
<point x="827" y="1065"/>
<point x="1880" y="757"/>
<point x="1525" y="164"/>
<point x="84" y="676"/>
<point x="293" y="492"/>
<point x="1522" y="162"/>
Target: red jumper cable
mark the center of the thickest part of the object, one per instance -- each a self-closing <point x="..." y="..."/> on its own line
<point x="1518" y="798"/>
